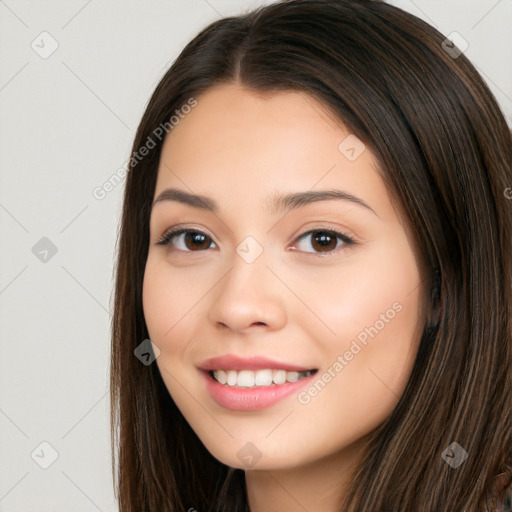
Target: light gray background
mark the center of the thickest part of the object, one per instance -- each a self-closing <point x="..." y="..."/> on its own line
<point x="66" y="125"/>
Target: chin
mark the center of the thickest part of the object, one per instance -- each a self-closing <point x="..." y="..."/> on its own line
<point x="259" y="454"/>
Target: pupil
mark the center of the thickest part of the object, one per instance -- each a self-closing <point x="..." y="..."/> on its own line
<point x="197" y="239"/>
<point x="324" y="240"/>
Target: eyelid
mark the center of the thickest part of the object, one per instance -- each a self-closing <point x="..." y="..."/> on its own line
<point x="348" y="239"/>
<point x="177" y="230"/>
<point x="326" y="226"/>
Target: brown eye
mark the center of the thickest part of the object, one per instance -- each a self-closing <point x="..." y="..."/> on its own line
<point x="196" y="240"/>
<point x="186" y="240"/>
<point x="325" y="241"/>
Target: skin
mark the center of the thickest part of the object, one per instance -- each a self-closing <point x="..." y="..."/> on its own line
<point x="294" y="303"/>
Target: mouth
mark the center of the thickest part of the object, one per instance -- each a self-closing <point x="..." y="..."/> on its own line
<point x="253" y="390"/>
<point x="251" y="383"/>
<point x="258" y="378"/>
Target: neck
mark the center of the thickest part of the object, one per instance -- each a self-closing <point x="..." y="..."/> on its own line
<point x="320" y="485"/>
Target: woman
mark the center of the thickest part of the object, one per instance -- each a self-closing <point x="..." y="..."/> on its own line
<point x="313" y="298"/>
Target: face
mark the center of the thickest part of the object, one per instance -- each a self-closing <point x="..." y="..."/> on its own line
<point x="287" y="328"/>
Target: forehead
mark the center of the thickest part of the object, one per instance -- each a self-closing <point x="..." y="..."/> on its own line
<point x="230" y="112"/>
<point x="237" y="136"/>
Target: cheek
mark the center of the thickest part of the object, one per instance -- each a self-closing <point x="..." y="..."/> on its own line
<point x="174" y="306"/>
<point x="158" y="302"/>
<point x="363" y="380"/>
<point x="373" y="307"/>
<point x="360" y="296"/>
<point x="169" y="297"/>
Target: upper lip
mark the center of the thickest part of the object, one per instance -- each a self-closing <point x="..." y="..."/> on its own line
<point x="234" y="362"/>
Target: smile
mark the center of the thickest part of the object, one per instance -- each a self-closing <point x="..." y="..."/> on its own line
<point x="258" y="378"/>
<point x="249" y="383"/>
<point x="251" y="391"/>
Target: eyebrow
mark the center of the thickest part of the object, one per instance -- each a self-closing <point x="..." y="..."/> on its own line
<point x="277" y="203"/>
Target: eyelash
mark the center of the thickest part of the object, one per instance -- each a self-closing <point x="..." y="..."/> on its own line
<point x="172" y="233"/>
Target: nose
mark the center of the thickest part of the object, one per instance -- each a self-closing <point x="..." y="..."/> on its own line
<point x="248" y="298"/>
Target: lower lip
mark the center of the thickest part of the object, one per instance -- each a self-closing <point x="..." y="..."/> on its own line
<point x="251" y="399"/>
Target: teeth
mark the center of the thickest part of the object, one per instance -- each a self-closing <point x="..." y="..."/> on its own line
<point x="222" y="377"/>
<point x="263" y="377"/>
<point x="292" y="376"/>
<point x="231" y="378"/>
<point x="279" y="377"/>
<point x="245" y="379"/>
<point x="250" y="378"/>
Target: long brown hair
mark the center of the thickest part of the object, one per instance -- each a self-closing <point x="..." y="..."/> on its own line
<point x="445" y="153"/>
